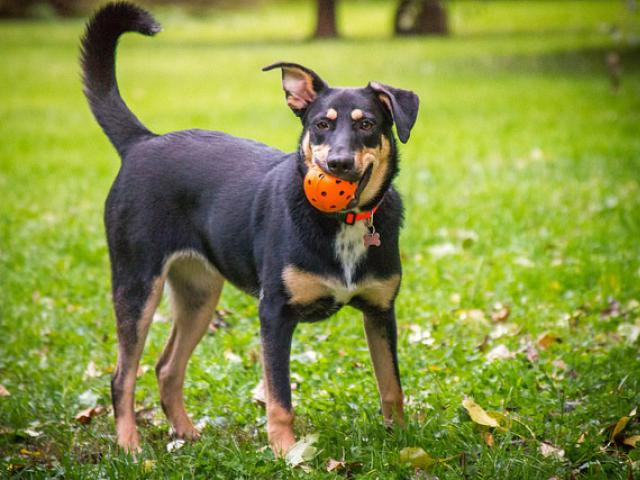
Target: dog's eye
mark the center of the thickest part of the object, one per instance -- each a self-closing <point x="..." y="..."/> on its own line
<point x="322" y="125"/>
<point x="366" y="124"/>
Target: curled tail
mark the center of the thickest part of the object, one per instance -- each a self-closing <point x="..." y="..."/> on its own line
<point x="98" y="55"/>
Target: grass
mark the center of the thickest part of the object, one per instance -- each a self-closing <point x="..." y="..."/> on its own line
<point x="521" y="184"/>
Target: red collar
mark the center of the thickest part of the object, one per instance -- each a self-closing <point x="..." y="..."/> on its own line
<point x="351" y="218"/>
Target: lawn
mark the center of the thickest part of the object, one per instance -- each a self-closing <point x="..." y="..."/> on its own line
<point x="521" y="249"/>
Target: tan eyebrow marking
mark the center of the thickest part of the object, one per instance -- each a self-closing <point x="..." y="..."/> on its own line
<point x="357" y="114"/>
<point x="332" y="114"/>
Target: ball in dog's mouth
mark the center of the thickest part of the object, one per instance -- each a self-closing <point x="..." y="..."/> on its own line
<point x="327" y="193"/>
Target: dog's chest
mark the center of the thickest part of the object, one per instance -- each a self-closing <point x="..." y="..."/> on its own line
<point x="350" y="250"/>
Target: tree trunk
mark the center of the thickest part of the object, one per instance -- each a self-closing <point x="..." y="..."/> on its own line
<point x="421" y="17"/>
<point x="326" y="19"/>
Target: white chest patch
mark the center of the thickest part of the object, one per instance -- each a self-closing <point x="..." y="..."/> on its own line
<point x="350" y="250"/>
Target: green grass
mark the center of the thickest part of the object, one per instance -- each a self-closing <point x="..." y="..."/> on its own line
<point x="523" y="165"/>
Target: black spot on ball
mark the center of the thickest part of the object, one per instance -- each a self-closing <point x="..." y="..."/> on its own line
<point x="324" y="194"/>
<point x="341" y="192"/>
<point x="338" y="182"/>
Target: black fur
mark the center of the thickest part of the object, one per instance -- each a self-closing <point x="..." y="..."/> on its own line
<point x="238" y="203"/>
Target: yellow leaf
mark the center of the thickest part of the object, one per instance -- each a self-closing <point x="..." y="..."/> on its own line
<point x="549" y="450"/>
<point x="148" y="465"/>
<point x="622" y="423"/>
<point x="417" y="458"/>
<point x="631" y="441"/>
<point x="30" y="453"/>
<point x="546" y="339"/>
<point x="477" y="413"/>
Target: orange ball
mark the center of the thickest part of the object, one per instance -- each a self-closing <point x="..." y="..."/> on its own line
<point x="327" y="193"/>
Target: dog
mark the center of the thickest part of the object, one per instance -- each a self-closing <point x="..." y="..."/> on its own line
<point x="194" y="208"/>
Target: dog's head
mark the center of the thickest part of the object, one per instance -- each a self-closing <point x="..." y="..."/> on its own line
<point x="348" y="131"/>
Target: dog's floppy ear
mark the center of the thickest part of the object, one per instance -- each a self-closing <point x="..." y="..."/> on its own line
<point x="402" y="105"/>
<point x="301" y="85"/>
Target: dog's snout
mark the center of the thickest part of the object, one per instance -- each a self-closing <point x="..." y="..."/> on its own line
<point x="340" y="165"/>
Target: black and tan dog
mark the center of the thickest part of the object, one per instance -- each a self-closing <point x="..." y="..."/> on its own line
<point x="196" y="208"/>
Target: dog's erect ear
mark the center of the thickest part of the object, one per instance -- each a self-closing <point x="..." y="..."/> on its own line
<point x="300" y="84"/>
<point x="402" y="104"/>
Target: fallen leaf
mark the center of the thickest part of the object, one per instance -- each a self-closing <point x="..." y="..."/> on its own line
<point x="148" y="465"/>
<point x="4" y="392"/>
<point x="417" y="458"/>
<point x="499" y="352"/>
<point x="91" y="371"/>
<point x="142" y="369"/>
<point x="420" y="335"/>
<point x="302" y="451"/>
<point x="620" y="426"/>
<point x="581" y="438"/>
<point x="442" y="250"/>
<point x="31" y="432"/>
<point x="633" y="412"/>
<point x="549" y="450"/>
<point x="504" y="329"/>
<point x="258" y="394"/>
<point x="559" y="364"/>
<point x="488" y="438"/>
<point x="631" y="441"/>
<point x="87" y="398"/>
<point x="478" y="414"/>
<point x="31" y="453"/>
<point x="335" y="465"/>
<point x="474" y="315"/>
<point x="532" y="353"/>
<point x="85" y="416"/>
<point x="232" y="357"/>
<point x="175" y="445"/>
<point x="500" y="312"/>
<point x="546" y="339"/>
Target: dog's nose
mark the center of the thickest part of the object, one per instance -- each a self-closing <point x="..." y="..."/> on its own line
<point x="340" y="165"/>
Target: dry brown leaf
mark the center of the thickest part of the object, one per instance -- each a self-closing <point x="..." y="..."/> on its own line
<point x="488" y="438"/>
<point x="85" y="416"/>
<point x="632" y="440"/>
<point x="499" y="352"/>
<point x="546" y="339"/>
<point x="258" y="394"/>
<point x="549" y="450"/>
<point x="335" y="465"/>
<point x="620" y="426"/>
<point x="4" y="392"/>
<point x="500" y="312"/>
<point x="581" y="438"/>
<point x="478" y="414"/>
<point x="532" y="353"/>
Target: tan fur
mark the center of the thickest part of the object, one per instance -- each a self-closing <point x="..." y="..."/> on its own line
<point x="379" y="157"/>
<point x="320" y="153"/>
<point x="356" y="114"/>
<point x="305" y="288"/>
<point x="279" y="420"/>
<point x="196" y="288"/>
<point x="128" y="362"/>
<point x="332" y="114"/>
<point x="306" y="150"/>
<point x="391" y="396"/>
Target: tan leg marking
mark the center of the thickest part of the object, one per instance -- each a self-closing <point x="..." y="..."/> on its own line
<point x="356" y="114"/>
<point x="128" y="362"/>
<point x="388" y="384"/>
<point x="195" y="291"/>
<point x="279" y="426"/>
<point x="380" y="293"/>
<point x="379" y="157"/>
<point x="331" y="114"/>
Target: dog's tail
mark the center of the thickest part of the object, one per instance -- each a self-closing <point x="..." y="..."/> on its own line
<point x="98" y="55"/>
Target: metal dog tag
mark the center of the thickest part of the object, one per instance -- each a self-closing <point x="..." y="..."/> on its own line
<point x="371" y="239"/>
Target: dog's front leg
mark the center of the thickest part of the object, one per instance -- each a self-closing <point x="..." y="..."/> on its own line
<point x="276" y="331"/>
<point x="380" y="327"/>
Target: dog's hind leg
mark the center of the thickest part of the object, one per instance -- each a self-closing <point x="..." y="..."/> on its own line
<point x="135" y="301"/>
<point x="195" y="291"/>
